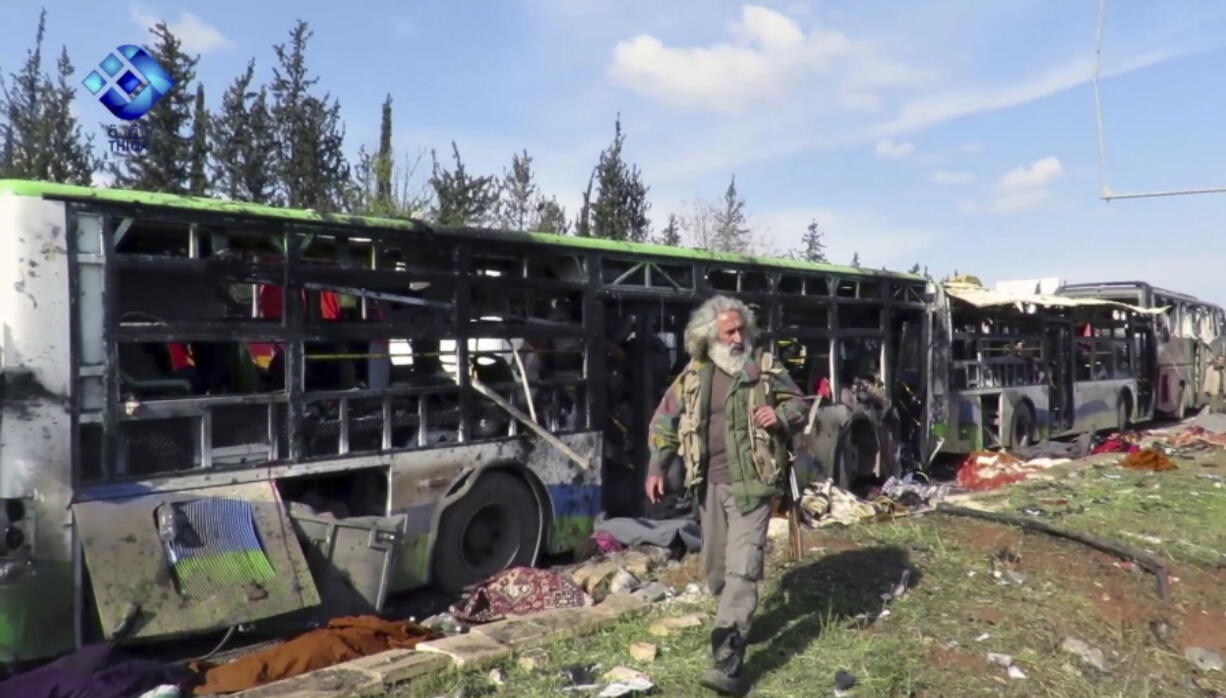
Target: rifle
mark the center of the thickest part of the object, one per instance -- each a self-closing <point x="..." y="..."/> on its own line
<point x="795" y="535"/>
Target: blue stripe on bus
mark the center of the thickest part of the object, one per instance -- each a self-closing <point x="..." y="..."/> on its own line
<point x="575" y="500"/>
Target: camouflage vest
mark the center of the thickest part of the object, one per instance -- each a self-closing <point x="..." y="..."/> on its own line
<point x="767" y="449"/>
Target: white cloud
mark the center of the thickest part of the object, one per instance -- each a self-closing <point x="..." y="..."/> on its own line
<point x="1037" y="174"/>
<point x="770" y="59"/>
<point x="890" y="150"/>
<point x="930" y="110"/>
<point x="948" y="177"/>
<point x="1020" y="189"/>
<point x="972" y="147"/>
<point x="197" y="35"/>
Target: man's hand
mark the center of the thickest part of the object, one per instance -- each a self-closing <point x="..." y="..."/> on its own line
<point x="655" y="488"/>
<point x="765" y="417"/>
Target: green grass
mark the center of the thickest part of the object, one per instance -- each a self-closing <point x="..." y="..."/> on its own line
<point x="928" y="644"/>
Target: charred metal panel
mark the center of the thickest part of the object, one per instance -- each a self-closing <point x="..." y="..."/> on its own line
<point x="132" y="572"/>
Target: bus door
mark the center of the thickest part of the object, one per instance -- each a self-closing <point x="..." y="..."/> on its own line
<point x="1058" y="352"/>
<point x="1146" y="367"/>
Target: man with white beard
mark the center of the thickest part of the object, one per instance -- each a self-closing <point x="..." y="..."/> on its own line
<point x="728" y="416"/>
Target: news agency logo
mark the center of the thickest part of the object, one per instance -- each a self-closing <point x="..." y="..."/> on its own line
<point x="130" y="82"/>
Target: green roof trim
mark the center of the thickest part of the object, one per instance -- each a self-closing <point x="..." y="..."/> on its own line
<point x="49" y="190"/>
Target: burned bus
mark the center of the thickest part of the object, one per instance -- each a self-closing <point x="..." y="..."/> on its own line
<point x="1013" y="369"/>
<point x="218" y="413"/>
<point x="1186" y="328"/>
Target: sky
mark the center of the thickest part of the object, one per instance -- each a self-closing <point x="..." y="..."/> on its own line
<point x="957" y="134"/>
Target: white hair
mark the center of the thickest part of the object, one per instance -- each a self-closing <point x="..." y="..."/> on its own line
<point x="701" y="329"/>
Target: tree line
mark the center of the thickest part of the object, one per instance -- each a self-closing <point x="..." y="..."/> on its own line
<point x="281" y="142"/>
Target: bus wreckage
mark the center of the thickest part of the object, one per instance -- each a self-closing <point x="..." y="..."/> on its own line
<point x="218" y="413"/>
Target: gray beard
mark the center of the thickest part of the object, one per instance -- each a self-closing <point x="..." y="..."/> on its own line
<point x="721" y="355"/>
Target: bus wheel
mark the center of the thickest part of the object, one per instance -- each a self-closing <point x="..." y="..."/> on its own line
<point x="1022" y="429"/>
<point x="493" y="527"/>
<point x="1123" y="413"/>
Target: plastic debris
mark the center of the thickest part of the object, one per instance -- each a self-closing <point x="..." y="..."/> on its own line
<point x="1015" y="673"/>
<point x="843" y="682"/>
<point x="624" y="681"/>
<point x="444" y="623"/>
<point x="579" y="677"/>
<point x="497" y="676"/>
<point x="1000" y="659"/>
<point x="1205" y="659"/>
<point x="1090" y="655"/>
<point x="983" y="637"/>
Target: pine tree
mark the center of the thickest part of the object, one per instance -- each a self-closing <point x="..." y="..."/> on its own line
<point x="312" y="169"/>
<point x="459" y="197"/>
<point x="619" y="211"/>
<point x="28" y="154"/>
<point x="731" y="234"/>
<point x="243" y="143"/>
<point x="380" y="188"/>
<point x="671" y="235"/>
<point x="384" y="158"/>
<point x="855" y="259"/>
<point x="198" y="183"/>
<point x="165" y="165"/>
<point x="42" y="138"/>
<point x="516" y="209"/>
<point x="72" y="159"/>
<point x="551" y="217"/>
<point x="812" y="248"/>
<point x="583" y="222"/>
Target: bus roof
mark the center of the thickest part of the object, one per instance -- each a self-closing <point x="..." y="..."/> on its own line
<point x="49" y="190"/>
<point x="1104" y="287"/>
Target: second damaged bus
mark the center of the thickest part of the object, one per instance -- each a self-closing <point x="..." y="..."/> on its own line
<point x="218" y="413"/>
<point x="1020" y="368"/>
<point x="1186" y="328"/>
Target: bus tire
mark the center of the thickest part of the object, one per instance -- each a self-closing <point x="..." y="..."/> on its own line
<point x="494" y="526"/>
<point x="1021" y="428"/>
<point x="1123" y="412"/>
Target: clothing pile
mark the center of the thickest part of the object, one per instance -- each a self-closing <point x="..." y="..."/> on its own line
<point x="1147" y="459"/>
<point x="519" y="591"/>
<point x="100" y="671"/>
<point x="914" y="495"/>
<point x="986" y="470"/>
<point x="822" y="503"/>
<point x="343" y="639"/>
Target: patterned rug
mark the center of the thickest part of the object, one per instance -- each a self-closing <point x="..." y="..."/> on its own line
<point x="519" y="591"/>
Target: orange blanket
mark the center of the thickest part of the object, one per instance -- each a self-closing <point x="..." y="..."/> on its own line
<point x="343" y="639"/>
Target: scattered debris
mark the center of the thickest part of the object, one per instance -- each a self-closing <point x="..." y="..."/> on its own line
<point x="670" y="626"/>
<point x="497" y="676"/>
<point x="1159" y="629"/>
<point x="533" y="659"/>
<point x="998" y="659"/>
<point x="1088" y="654"/>
<point x="622" y="582"/>
<point x="579" y="677"/>
<point x="983" y="637"/>
<point x="843" y="682"/>
<point x="1150" y="563"/>
<point x="643" y="651"/>
<point x="1203" y="658"/>
<point x="445" y="623"/>
<point x="1015" y="673"/>
<point x="986" y="470"/>
<point x="654" y="591"/>
<point x="1147" y="459"/>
